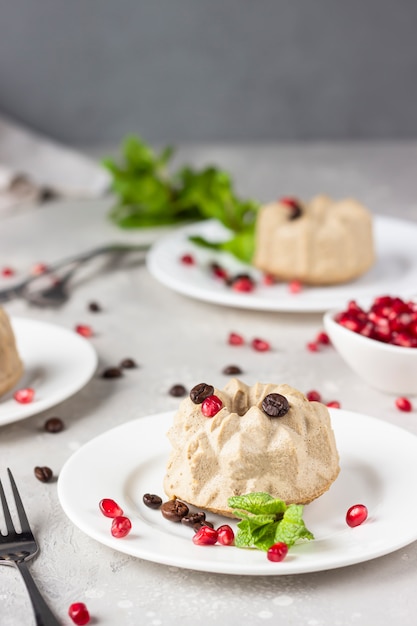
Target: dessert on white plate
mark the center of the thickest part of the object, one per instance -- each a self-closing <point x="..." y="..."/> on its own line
<point x="11" y="366"/>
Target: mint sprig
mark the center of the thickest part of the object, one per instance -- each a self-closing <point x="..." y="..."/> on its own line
<point x="266" y="520"/>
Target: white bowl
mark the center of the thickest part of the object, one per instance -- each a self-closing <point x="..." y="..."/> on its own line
<point x="391" y="369"/>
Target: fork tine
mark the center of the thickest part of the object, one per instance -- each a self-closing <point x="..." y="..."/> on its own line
<point x="6" y="511"/>
<point x="24" y="524"/>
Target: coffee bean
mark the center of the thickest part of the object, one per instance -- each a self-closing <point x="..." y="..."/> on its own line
<point x="112" y="372"/>
<point x="200" y="392"/>
<point x="295" y="211"/>
<point x="193" y="518"/>
<point x="177" y="391"/>
<point x="174" y="510"/>
<point x="54" y="425"/>
<point x="199" y="525"/>
<point x="94" y="307"/>
<point x="231" y="370"/>
<point x="128" y="364"/>
<point x="44" y="474"/>
<point x="275" y="405"/>
<point x="152" y="501"/>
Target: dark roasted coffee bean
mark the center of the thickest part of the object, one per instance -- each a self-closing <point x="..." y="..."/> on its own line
<point x="112" y="372"/>
<point x="94" y="307"/>
<point x="177" y="391"/>
<point x="128" y="364"/>
<point x="193" y="518"/>
<point x="174" y="510"/>
<point x="231" y="370"/>
<point x="44" y="474"/>
<point x="200" y="392"/>
<point x="295" y="211"/>
<point x="54" y="425"/>
<point x="275" y="405"/>
<point x="199" y="525"/>
<point x="152" y="501"/>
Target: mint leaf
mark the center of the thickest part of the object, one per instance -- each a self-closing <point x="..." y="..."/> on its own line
<point x="292" y="527"/>
<point x="257" y="503"/>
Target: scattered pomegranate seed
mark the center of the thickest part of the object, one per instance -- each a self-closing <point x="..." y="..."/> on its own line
<point x="277" y="552"/>
<point x="243" y="283"/>
<point x="289" y="201"/>
<point x="120" y="526"/>
<point x="38" y="269"/>
<point x="7" y="271"/>
<point x="260" y="345"/>
<point x="84" y="330"/>
<point x="312" y="346"/>
<point x="219" y="271"/>
<point x="110" y="508"/>
<point x="24" y="396"/>
<point x="225" y="535"/>
<point x="334" y="404"/>
<point x="313" y="396"/>
<point x="211" y="406"/>
<point x="268" y="280"/>
<point x="187" y="259"/>
<point x="79" y="614"/>
<point x="323" y="338"/>
<point x="235" y="340"/>
<point x="206" y="536"/>
<point x="356" y="515"/>
<point x="403" y="404"/>
<point x="295" y="286"/>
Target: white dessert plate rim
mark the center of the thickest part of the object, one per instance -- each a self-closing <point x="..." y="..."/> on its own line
<point x="57" y="363"/>
<point x="395" y="271"/>
<point x="373" y="455"/>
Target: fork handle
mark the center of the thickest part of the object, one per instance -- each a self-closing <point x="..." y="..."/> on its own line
<point x="43" y="614"/>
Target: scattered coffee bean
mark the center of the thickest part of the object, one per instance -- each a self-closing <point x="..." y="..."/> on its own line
<point x="199" y="525"/>
<point x="177" y="391"/>
<point x="193" y="518"/>
<point x="44" y="474"/>
<point x="94" y="307"/>
<point x="296" y="212"/>
<point x="231" y="370"/>
<point x="200" y="392"/>
<point x="275" y="405"/>
<point x="128" y="364"/>
<point x="152" y="501"/>
<point x="174" y="510"/>
<point x="54" y="425"/>
<point x="112" y="372"/>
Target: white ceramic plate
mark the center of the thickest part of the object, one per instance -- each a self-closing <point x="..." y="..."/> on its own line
<point x="57" y="363"/>
<point x="378" y="468"/>
<point x="395" y="271"/>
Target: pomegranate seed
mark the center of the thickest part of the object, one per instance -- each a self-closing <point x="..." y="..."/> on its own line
<point x="403" y="404"/>
<point x="225" y="535"/>
<point x="120" y="526"/>
<point x="110" y="508"/>
<point x="313" y="396"/>
<point x="288" y="201"/>
<point x="84" y="330"/>
<point x="334" y="404"/>
<point x="79" y="614"/>
<point x="244" y="284"/>
<point x="277" y="552"/>
<point x="187" y="259"/>
<point x="219" y="271"/>
<point x="211" y="406"/>
<point x="323" y="338"/>
<point x="38" y="269"/>
<point x="295" y="286"/>
<point x="235" y="339"/>
<point x="356" y="515"/>
<point x="268" y="280"/>
<point x="260" y="345"/>
<point x="24" y="396"/>
<point x="206" y="536"/>
<point x="7" y="271"/>
<point x="312" y="346"/>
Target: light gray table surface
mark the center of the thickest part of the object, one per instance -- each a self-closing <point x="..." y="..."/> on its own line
<point x="176" y="339"/>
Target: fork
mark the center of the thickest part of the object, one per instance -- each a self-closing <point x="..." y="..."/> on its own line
<point x="17" y="548"/>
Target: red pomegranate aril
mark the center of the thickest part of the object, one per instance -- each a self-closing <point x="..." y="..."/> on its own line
<point x="219" y="272"/>
<point x="79" y="614"/>
<point x="403" y="404"/>
<point x="403" y="339"/>
<point x="277" y="552"/>
<point x="225" y="535"/>
<point x="24" y="396"/>
<point x="7" y="271"/>
<point x="206" y="536"/>
<point x="243" y="284"/>
<point x="110" y="508"/>
<point x="211" y="406"/>
<point x="235" y="339"/>
<point x="313" y="396"/>
<point x="333" y="404"/>
<point x="289" y="201"/>
<point x="187" y="259"/>
<point x="356" y="515"/>
<point x="295" y="286"/>
<point x="268" y="280"/>
<point x="323" y="338"/>
<point x="84" y="330"/>
<point x="38" y="269"/>
<point x="260" y="345"/>
<point x="312" y="346"/>
<point x="121" y="526"/>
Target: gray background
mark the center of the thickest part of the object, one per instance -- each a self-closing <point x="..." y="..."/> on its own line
<point x="91" y="71"/>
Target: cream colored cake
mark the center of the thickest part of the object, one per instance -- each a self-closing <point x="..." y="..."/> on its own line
<point x="324" y="242"/>
<point x="11" y="367"/>
<point x="242" y="449"/>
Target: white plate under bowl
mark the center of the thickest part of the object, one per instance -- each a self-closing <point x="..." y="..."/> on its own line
<point x="378" y="468"/>
<point x="394" y="272"/>
<point x="57" y="363"/>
